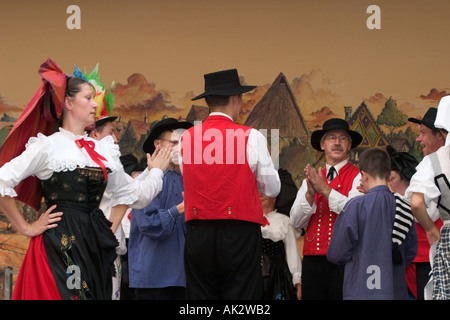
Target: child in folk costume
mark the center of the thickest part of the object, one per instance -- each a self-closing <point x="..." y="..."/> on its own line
<point x="362" y="237"/>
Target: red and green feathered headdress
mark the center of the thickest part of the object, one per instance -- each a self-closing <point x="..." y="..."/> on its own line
<point x="103" y="97"/>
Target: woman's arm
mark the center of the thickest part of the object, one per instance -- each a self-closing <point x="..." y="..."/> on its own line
<point x="46" y="221"/>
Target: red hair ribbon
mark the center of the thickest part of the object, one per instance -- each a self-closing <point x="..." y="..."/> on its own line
<point x="37" y="117"/>
<point x="89" y="146"/>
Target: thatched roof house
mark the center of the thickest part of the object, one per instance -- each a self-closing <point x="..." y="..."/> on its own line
<point x="278" y="109"/>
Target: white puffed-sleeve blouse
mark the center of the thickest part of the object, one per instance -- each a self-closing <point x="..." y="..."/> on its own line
<point x="59" y="152"/>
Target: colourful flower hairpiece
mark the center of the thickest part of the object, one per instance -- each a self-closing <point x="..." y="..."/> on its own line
<point x="103" y="97"/>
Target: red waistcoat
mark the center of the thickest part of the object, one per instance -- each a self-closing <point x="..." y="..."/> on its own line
<point x="320" y="225"/>
<point x="218" y="182"/>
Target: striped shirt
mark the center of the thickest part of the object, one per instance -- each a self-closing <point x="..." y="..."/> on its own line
<point x="403" y="219"/>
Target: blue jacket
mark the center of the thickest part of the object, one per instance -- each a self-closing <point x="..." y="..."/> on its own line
<point x="362" y="241"/>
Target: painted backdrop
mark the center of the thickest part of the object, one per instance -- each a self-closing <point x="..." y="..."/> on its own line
<point x="310" y="60"/>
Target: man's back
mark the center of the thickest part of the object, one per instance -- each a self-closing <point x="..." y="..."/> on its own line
<point x="218" y="180"/>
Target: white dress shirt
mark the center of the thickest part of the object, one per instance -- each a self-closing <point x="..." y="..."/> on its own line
<point x="423" y="182"/>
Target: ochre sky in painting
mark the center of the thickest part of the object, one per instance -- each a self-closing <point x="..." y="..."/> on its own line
<point x="172" y="43"/>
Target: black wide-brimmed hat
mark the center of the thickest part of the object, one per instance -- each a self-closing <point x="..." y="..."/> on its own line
<point x="99" y="122"/>
<point x="104" y="120"/>
<point x="223" y="83"/>
<point x="428" y="119"/>
<point x="163" y="125"/>
<point x="334" y="124"/>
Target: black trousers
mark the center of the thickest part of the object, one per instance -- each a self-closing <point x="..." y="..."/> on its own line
<point x="422" y="276"/>
<point x="223" y="260"/>
<point x="321" y="279"/>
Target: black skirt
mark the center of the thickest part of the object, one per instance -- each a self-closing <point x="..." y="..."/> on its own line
<point x="81" y="249"/>
<point x="277" y="279"/>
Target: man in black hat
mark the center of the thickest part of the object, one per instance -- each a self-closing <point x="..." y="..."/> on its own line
<point x="430" y="137"/>
<point x="320" y="199"/>
<point x="157" y="232"/>
<point x="103" y="127"/>
<point x="225" y="166"/>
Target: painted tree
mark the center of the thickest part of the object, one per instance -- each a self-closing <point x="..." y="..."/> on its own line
<point x="392" y="117"/>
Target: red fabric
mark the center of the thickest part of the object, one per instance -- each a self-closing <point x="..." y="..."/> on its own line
<point x="423" y="255"/>
<point x="219" y="191"/>
<point x="320" y="225"/>
<point x="37" y="117"/>
<point x="423" y="250"/>
<point x="35" y="280"/>
<point x="89" y="146"/>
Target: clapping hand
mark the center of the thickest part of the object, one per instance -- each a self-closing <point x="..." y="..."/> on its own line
<point x="160" y="158"/>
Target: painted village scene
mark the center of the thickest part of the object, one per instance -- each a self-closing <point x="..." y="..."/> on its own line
<point x="280" y="104"/>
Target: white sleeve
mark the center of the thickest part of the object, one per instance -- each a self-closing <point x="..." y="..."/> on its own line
<point x="147" y="186"/>
<point x="423" y="182"/>
<point x="137" y="193"/>
<point x="260" y="162"/>
<point x="301" y="211"/>
<point x="32" y="162"/>
<point x="293" y="255"/>
<point x="337" y="201"/>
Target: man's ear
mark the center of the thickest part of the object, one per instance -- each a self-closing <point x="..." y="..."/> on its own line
<point x="235" y="99"/>
<point x="364" y="175"/>
<point x="93" y="134"/>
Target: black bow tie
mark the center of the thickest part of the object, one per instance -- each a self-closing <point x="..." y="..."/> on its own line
<point x="331" y="174"/>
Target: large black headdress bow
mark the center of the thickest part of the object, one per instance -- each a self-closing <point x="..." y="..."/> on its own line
<point x="404" y="162"/>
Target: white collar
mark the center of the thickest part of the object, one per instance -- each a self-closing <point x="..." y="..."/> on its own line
<point x="220" y="114"/>
<point x="338" y="166"/>
<point x="71" y="134"/>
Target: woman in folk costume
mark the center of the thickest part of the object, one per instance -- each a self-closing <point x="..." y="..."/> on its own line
<point x="72" y="246"/>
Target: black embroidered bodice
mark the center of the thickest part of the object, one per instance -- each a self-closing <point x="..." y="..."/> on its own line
<point x="83" y="187"/>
